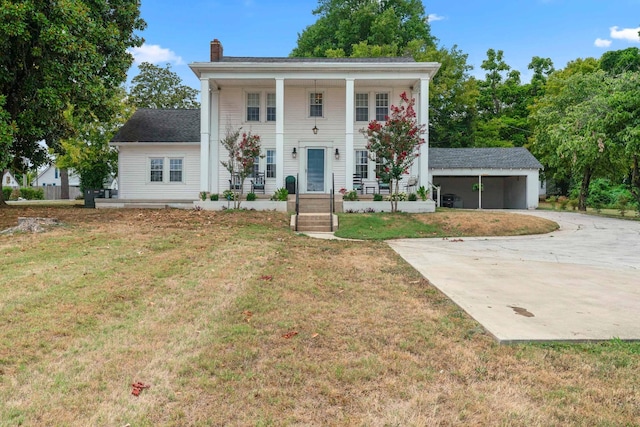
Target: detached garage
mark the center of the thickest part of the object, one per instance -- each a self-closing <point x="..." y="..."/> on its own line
<point x="486" y="178"/>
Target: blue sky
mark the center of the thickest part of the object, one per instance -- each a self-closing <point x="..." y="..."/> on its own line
<point x="180" y="32"/>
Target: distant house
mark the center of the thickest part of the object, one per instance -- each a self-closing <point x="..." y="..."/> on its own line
<point x="9" y="181"/>
<point x="308" y="113"/>
<point x="50" y="176"/>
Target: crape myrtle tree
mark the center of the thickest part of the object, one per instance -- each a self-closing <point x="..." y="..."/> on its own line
<point x="395" y="144"/>
<point x="57" y="54"/>
<point x="243" y="149"/>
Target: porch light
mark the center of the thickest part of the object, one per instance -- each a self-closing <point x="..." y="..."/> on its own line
<point x="315" y="129"/>
<point x="337" y="154"/>
<point x="294" y="153"/>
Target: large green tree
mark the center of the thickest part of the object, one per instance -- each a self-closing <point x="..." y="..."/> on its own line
<point x="58" y="54"/>
<point x="159" y="87"/>
<point x="581" y="130"/>
<point x="342" y="25"/>
<point x="88" y="152"/>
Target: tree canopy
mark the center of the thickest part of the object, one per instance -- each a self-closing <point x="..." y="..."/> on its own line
<point x="346" y="27"/>
<point x="56" y="55"/>
<point x="159" y="87"/>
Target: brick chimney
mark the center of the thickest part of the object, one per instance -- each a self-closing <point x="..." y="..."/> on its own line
<point x="216" y="50"/>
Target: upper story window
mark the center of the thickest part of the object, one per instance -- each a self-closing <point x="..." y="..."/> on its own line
<point x="253" y="107"/>
<point x="271" y="163"/>
<point x="316" y="103"/>
<point x="362" y="107"/>
<point x="382" y="106"/>
<point x="271" y="107"/>
<point x="156" y="169"/>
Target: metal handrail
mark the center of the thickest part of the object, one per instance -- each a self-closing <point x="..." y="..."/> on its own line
<point x="332" y="201"/>
<point x="297" y="201"/>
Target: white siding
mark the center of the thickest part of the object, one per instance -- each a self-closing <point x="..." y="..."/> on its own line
<point x="134" y="174"/>
<point x="297" y="128"/>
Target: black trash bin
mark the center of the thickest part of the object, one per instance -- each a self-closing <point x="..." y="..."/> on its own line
<point x="90" y="196"/>
<point x="290" y="184"/>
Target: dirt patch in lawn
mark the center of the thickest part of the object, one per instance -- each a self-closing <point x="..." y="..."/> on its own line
<point x="487" y="223"/>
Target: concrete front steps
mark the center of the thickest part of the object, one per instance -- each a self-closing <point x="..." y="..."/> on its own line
<point x="314" y="213"/>
<point x="314" y="222"/>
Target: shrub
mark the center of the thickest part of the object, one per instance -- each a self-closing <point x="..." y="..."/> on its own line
<point x="573" y="203"/>
<point x="400" y="197"/>
<point x="30" y="193"/>
<point x="229" y="195"/>
<point x="15" y="194"/>
<point x="251" y="197"/>
<point x="423" y="193"/>
<point x="213" y="197"/>
<point x="563" y="202"/>
<point x="377" y="197"/>
<point x="413" y="197"/>
<point x="623" y="204"/>
<point x="203" y="195"/>
<point x="351" y="196"/>
<point x="6" y="193"/>
<point x="552" y="200"/>
<point x="280" y="195"/>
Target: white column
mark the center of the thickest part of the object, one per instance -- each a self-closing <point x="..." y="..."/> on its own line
<point x="205" y="131"/>
<point x="280" y="133"/>
<point x="423" y="119"/>
<point x="214" y="137"/>
<point x="348" y="137"/>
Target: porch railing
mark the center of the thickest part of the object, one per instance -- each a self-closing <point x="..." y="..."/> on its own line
<point x="332" y="202"/>
<point x="297" y="201"/>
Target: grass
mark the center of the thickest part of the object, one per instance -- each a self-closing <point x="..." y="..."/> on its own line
<point x="443" y="223"/>
<point x="203" y="307"/>
<point x="630" y="214"/>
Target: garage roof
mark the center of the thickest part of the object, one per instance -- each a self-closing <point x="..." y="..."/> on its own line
<point x="156" y="125"/>
<point x="482" y="158"/>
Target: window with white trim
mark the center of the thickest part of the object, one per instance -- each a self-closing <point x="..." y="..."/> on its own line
<point x="271" y="107"/>
<point x="382" y="106"/>
<point x="175" y="170"/>
<point x="253" y="107"/>
<point x="362" y="107"/>
<point x="362" y="163"/>
<point x="156" y="168"/>
<point x="316" y="104"/>
<point x="271" y="164"/>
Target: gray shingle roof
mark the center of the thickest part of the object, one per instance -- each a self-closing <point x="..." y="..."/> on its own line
<point x="324" y="60"/>
<point x="154" y="125"/>
<point x="482" y="158"/>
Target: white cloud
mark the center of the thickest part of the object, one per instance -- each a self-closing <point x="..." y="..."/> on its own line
<point x="629" y="34"/>
<point x="433" y="17"/>
<point x="154" y="54"/>
<point x="602" y="43"/>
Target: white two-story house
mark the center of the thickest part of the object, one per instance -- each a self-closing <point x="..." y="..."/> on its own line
<point x="308" y="113"/>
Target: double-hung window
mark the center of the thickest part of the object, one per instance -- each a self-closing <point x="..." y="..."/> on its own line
<point x="362" y="163"/>
<point x="382" y="106"/>
<point x="271" y="107"/>
<point x="315" y="104"/>
<point x="271" y="163"/>
<point x="175" y="170"/>
<point x="253" y="107"/>
<point x="156" y="169"/>
<point x="362" y="107"/>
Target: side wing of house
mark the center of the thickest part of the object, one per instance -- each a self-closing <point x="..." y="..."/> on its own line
<point x="159" y="155"/>
<point x="50" y="176"/>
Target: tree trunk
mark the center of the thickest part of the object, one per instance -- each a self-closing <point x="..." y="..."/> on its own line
<point x="584" y="190"/>
<point x="3" y="204"/>
<point x="64" y="184"/>
<point x="635" y="179"/>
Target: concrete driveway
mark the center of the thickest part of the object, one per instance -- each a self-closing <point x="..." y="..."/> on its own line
<point x="580" y="283"/>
